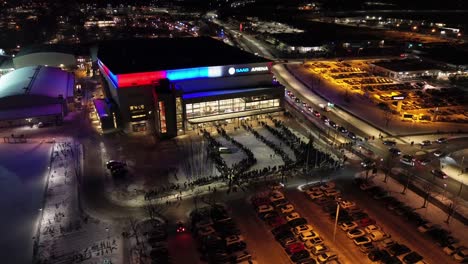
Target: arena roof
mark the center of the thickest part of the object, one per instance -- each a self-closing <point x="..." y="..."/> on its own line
<point x="146" y="55"/>
<point x="54" y="48"/>
<point x="37" y="80"/>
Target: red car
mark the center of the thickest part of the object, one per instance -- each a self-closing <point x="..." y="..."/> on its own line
<point x="366" y="221"/>
<point x="293" y="248"/>
<point x="277" y="221"/>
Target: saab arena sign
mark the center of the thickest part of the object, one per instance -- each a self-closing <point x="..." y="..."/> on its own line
<point x="235" y="70"/>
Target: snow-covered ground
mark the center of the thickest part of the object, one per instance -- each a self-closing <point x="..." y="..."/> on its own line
<point x="23" y="170"/>
<point x="265" y="156"/>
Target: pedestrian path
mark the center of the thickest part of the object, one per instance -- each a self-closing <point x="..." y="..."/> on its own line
<point x="65" y="236"/>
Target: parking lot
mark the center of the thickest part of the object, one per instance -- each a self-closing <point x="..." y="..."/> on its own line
<point x="422" y="100"/>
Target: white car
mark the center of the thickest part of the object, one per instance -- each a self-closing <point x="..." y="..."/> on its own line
<point x="302" y="228"/>
<point x="292" y="216"/>
<point x="319" y="249"/>
<point x="285" y="209"/>
<point x="371" y="228"/>
<point x="304" y="236"/>
<point x="378" y="235"/>
<point x="347" y="226"/>
<point x="326" y="257"/>
<point x="347" y="204"/>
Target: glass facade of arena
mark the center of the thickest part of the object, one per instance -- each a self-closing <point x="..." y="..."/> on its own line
<point x="225" y="106"/>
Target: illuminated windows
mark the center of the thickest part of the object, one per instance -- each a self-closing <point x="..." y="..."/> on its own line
<point x="162" y="117"/>
<point x="226" y="106"/>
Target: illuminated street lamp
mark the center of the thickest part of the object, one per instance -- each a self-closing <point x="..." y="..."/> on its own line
<point x="433" y="30"/>
<point x="415" y="28"/>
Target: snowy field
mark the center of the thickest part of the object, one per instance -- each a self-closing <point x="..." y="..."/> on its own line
<point x="261" y="151"/>
<point x="23" y="170"/>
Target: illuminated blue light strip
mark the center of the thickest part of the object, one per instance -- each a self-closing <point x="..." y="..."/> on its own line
<point x="109" y="74"/>
<point x="193" y="73"/>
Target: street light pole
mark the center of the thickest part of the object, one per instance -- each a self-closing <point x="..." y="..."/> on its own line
<point x="336" y="219"/>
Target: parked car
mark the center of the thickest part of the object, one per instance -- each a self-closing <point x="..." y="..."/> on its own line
<point x="438" y="153"/>
<point x="326" y="257"/>
<point x="361" y="240"/>
<point x="304" y="236"/>
<point x="366" y="247"/>
<point x="452" y="248"/>
<point x="378" y="235"/>
<point x="398" y="249"/>
<point x="412" y="258"/>
<point x="319" y="249"/>
<point x="285" y="209"/>
<point x="292" y="216"/>
<point x="347" y="226"/>
<point x="299" y="256"/>
<point x="357" y="232"/>
<point x="293" y="248"/>
<point x="314" y="241"/>
<point x="301" y="229"/>
<point x="297" y="222"/>
<point x="461" y="255"/>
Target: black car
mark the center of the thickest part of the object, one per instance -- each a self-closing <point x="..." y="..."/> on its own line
<point x="376" y="255"/>
<point x="351" y="135"/>
<point x="332" y="124"/>
<point x="115" y="164"/>
<point x="412" y="258"/>
<point x="297" y="222"/>
<point x="342" y="130"/>
<point x="398" y="249"/>
<point x="280" y="229"/>
<point x="284" y="235"/>
<point x="389" y="143"/>
<point x="394" y="151"/>
<point x="300" y="256"/>
<point x="241" y="245"/>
